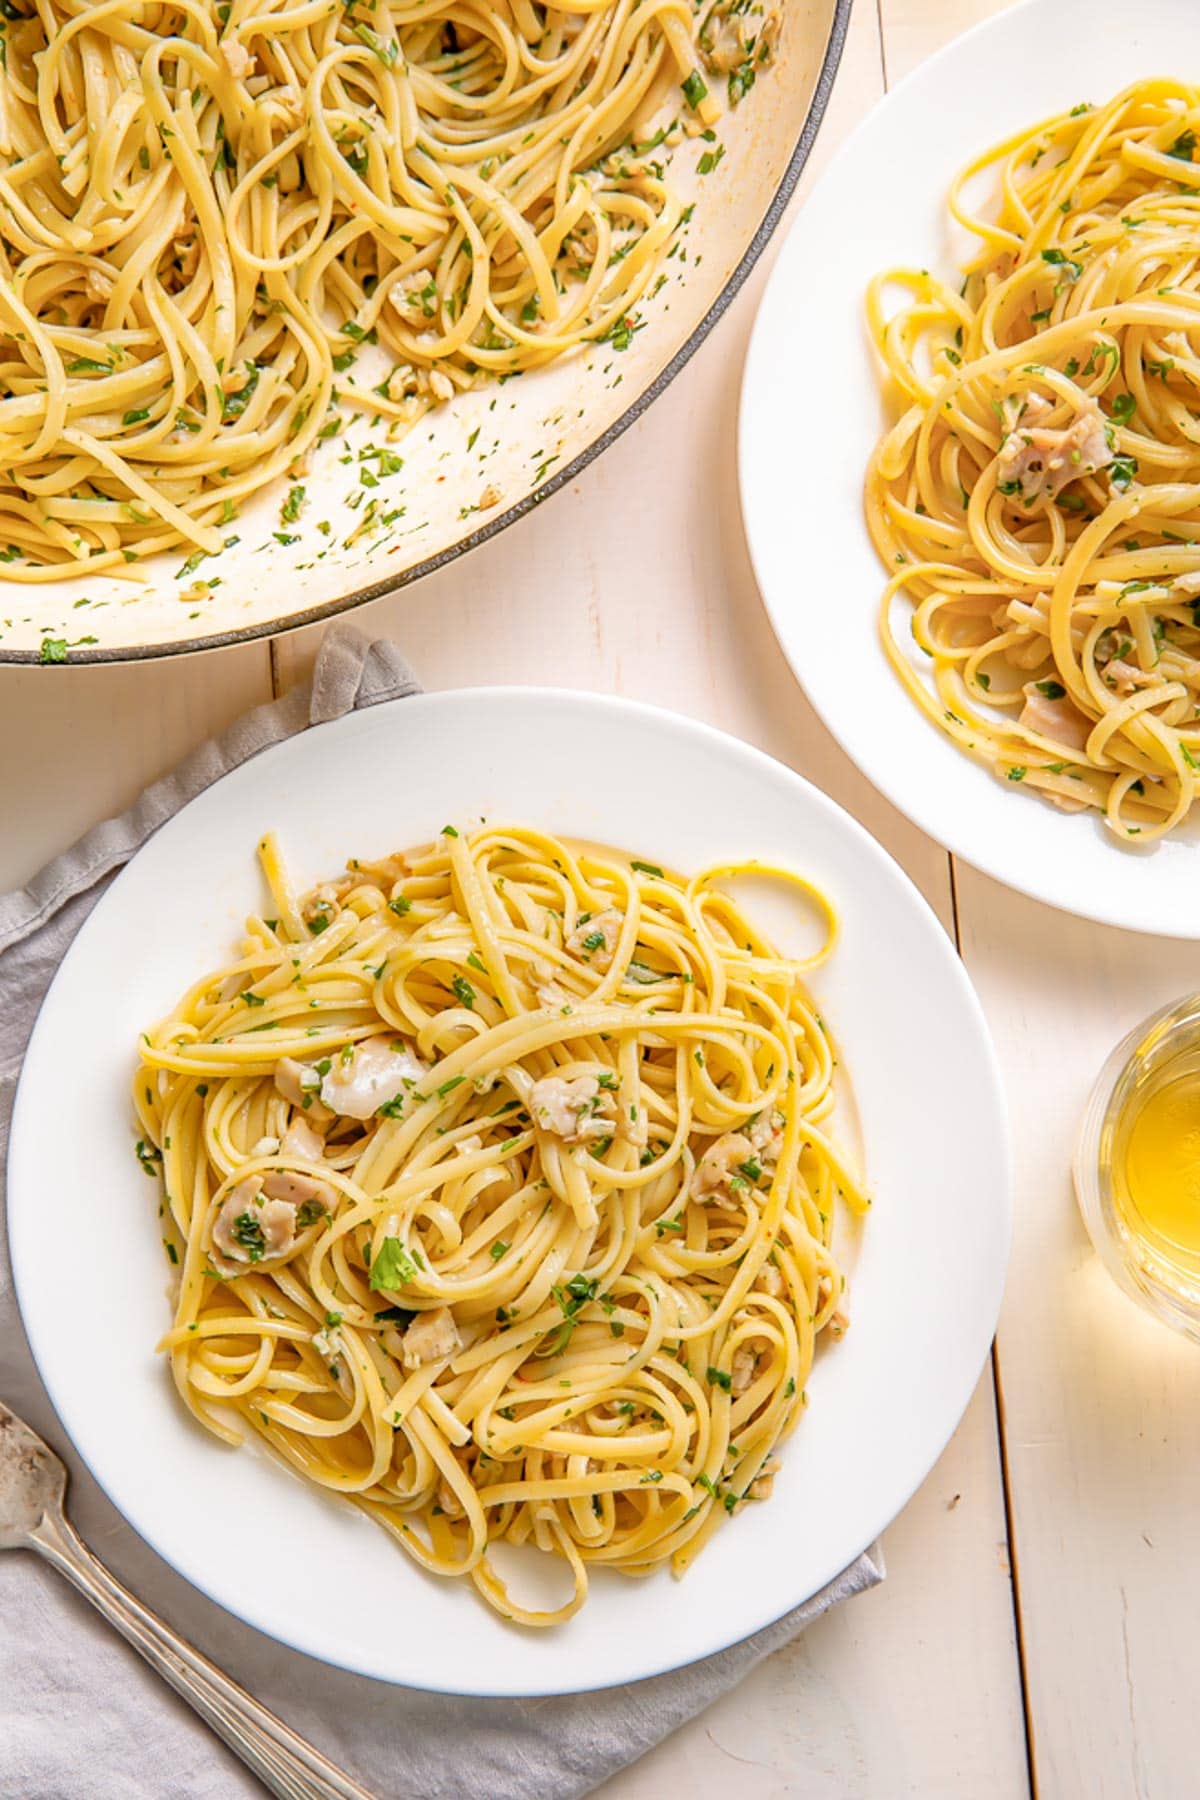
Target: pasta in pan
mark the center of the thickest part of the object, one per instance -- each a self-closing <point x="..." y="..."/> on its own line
<point x="1037" y="504"/>
<point x="208" y="210"/>
<point x="499" y="1181"/>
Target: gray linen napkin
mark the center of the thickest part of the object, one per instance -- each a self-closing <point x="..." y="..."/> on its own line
<point x="80" y="1715"/>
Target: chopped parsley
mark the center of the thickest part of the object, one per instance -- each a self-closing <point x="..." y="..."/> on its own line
<point x="384" y="50"/>
<point x="571" y="1296"/>
<point x="249" y="1233"/>
<point x="392" y="1265"/>
<point x="234" y="405"/>
<point x="149" y="1156"/>
<point x="694" y="89"/>
<point x="399" y="1316"/>
<point x="620" y="334"/>
<point x="1071" y="270"/>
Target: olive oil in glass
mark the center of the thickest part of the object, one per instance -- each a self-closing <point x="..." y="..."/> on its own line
<point x="1137" y="1167"/>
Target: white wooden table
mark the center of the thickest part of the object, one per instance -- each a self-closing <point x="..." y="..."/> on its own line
<point x="1037" y="1623"/>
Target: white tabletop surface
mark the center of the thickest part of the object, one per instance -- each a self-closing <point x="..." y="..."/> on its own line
<point x="1038" y="1621"/>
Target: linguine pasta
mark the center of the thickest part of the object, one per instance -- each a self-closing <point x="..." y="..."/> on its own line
<point x="207" y="210"/>
<point x="499" y="1183"/>
<point x="1038" y="502"/>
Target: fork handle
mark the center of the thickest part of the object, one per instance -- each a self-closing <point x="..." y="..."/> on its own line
<point x="283" y="1761"/>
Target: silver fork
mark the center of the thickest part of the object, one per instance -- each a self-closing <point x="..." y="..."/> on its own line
<point x="33" y="1483"/>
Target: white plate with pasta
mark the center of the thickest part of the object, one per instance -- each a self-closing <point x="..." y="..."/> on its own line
<point x="967" y="467"/>
<point x="511" y="1191"/>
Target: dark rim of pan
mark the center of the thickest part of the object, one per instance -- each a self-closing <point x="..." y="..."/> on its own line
<point x="377" y="590"/>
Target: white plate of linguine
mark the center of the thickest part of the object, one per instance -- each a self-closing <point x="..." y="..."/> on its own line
<point x="995" y="616"/>
<point x="511" y="1191"/>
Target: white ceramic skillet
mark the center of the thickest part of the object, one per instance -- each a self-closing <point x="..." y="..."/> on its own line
<point x="474" y="467"/>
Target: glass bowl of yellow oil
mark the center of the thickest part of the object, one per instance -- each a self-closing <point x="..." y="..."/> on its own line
<point x="1137" y="1165"/>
